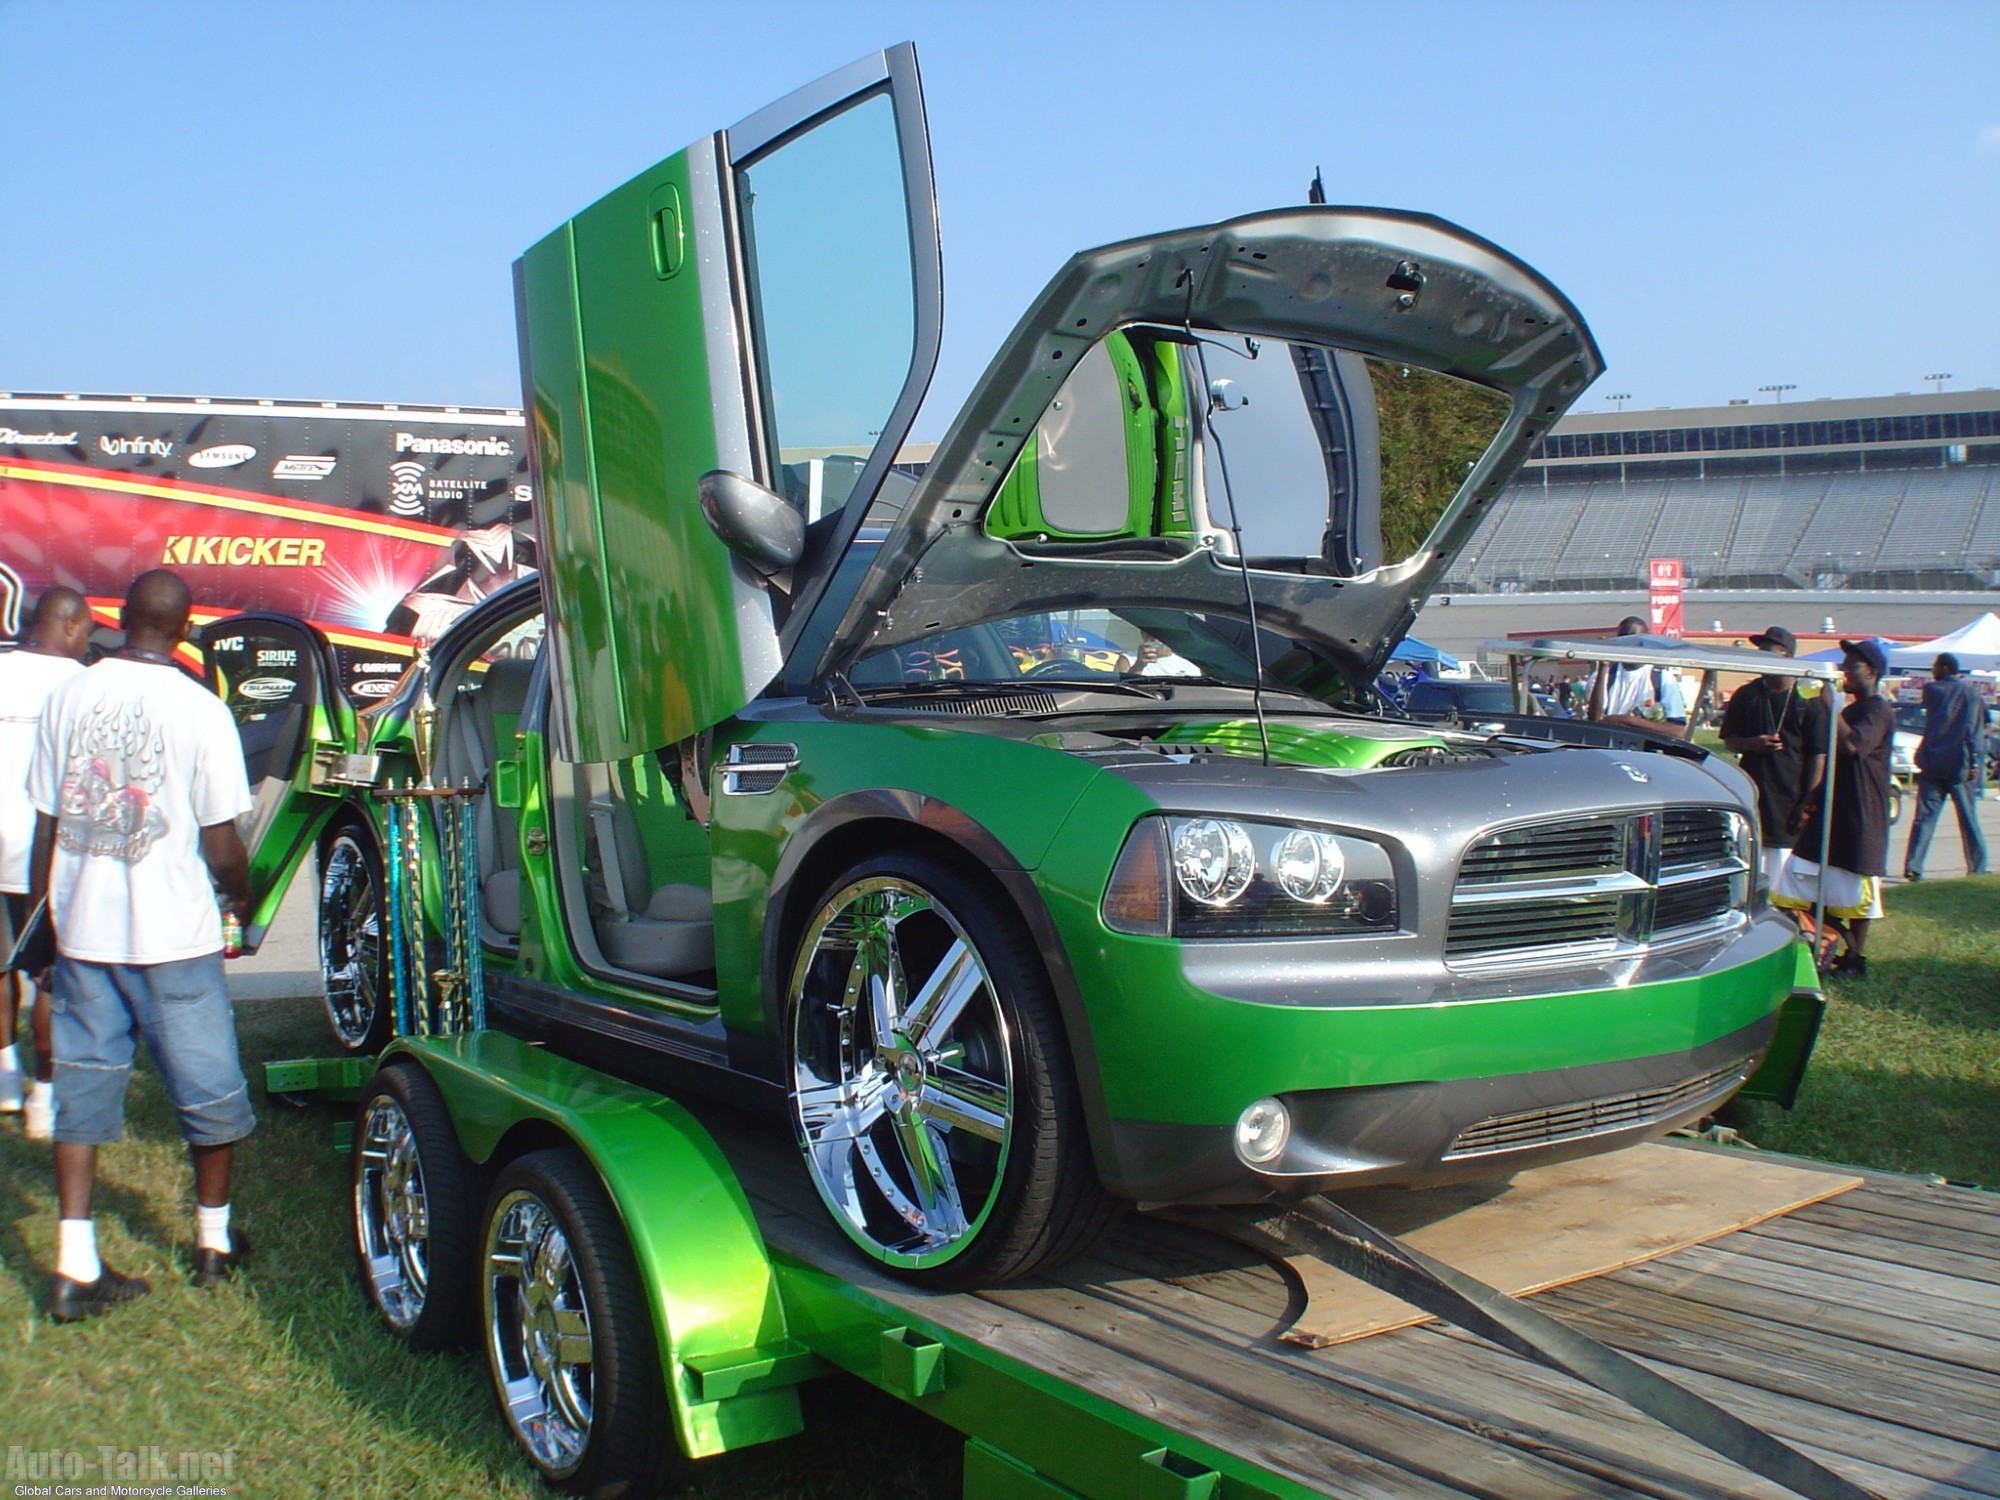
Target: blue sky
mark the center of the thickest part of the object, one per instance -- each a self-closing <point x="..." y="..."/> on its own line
<point x="323" y="200"/>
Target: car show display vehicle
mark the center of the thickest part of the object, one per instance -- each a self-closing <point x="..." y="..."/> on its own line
<point x="1018" y="832"/>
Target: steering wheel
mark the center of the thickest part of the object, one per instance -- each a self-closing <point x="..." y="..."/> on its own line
<point x="1060" y="666"/>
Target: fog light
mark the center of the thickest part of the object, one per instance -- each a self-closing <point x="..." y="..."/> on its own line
<point x="1262" y="1131"/>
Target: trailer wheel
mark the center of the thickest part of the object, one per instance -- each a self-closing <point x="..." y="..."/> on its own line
<point x="576" y="1366"/>
<point x="353" y="952"/>
<point x="931" y="1088"/>
<point x="413" y="1205"/>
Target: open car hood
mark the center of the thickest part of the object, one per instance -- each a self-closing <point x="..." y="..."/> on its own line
<point x="1377" y="284"/>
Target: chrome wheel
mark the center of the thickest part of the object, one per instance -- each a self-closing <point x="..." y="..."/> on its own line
<point x="392" y="1214"/>
<point x="350" y="942"/>
<point x="902" y="1072"/>
<point x="538" y="1332"/>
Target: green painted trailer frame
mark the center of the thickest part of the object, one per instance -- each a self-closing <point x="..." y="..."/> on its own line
<point x="740" y="1325"/>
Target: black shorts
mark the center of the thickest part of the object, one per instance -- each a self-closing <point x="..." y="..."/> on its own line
<point x="14" y="911"/>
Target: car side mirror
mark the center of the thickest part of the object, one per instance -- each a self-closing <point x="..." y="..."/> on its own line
<point x="757" y="524"/>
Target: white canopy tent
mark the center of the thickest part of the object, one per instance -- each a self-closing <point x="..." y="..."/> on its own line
<point x="1977" y="647"/>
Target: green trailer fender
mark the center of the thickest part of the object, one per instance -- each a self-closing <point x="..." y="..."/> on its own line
<point x="731" y="1368"/>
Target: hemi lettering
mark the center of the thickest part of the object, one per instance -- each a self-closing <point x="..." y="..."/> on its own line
<point x="244" y="551"/>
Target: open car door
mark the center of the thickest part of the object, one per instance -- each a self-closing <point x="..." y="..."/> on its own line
<point x="765" y="303"/>
<point x="278" y="677"/>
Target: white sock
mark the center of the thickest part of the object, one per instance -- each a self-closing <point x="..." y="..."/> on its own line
<point x="10" y="1058"/>
<point x="41" y="1094"/>
<point x="76" y="1250"/>
<point x="211" y="1227"/>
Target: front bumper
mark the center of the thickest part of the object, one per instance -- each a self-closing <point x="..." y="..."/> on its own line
<point x="1444" y="1131"/>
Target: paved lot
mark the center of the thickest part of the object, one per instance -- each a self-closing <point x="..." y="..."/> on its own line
<point x="288" y="962"/>
<point x="1947" y="855"/>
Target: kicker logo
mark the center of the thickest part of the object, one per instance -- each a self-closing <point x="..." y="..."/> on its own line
<point x="245" y="551"/>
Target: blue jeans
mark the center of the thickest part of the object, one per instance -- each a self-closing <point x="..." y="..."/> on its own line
<point x="1931" y="795"/>
<point x="99" y="1011"/>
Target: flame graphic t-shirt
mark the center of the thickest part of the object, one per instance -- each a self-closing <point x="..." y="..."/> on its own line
<point x="133" y="760"/>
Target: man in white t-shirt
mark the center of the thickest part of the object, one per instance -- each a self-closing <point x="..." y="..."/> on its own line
<point x="138" y="780"/>
<point x="1638" y="697"/>
<point x="51" y="650"/>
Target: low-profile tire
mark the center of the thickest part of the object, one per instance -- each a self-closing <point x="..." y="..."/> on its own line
<point x="569" y="1341"/>
<point x="415" y="1195"/>
<point x="353" y="941"/>
<point x="932" y="1092"/>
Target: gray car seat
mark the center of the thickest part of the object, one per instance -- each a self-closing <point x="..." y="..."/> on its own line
<point x="667" y="931"/>
<point x="495" y="712"/>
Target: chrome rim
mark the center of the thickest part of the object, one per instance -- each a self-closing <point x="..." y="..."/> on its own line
<point x="391" y="1214"/>
<point x="350" y="941"/>
<point x="902" y="1076"/>
<point x="538" y="1332"/>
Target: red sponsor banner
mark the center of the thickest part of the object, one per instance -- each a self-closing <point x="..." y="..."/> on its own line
<point x="66" y="523"/>
<point x="1664" y="575"/>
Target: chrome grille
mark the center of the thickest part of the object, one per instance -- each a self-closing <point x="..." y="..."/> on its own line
<point x="1546" y="851"/>
<point x="1504" y="927"/>
<point x="1585" y="886"/>
<point x="1695" y="836"/>
<point x="1573" y="1122"/>
<point x="1693" y="902"/>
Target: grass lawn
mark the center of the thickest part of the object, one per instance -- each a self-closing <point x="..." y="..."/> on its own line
<point x="289" y="1369"/>
<point x="1906" y="1076"/>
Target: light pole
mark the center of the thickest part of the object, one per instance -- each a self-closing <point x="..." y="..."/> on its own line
<point x="1937" y="382"/>
<point x="1777" y="391"/>
<point x="1621" y="397"/>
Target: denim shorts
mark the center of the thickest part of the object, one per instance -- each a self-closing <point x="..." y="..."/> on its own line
<point x="183" y="1012"/>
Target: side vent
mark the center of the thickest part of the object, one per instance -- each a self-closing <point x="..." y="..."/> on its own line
<point x="751" y="770"/>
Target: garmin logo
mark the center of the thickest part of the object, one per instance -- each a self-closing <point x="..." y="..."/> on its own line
<point x="19" y="439"/>
<point x="124" y="447"/>
<point x="221" y="456"/>
<point x="409" y="442"/>
<point x="244" y="551"/>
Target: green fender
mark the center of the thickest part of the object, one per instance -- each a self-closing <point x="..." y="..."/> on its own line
<point x="731" y="1369"/>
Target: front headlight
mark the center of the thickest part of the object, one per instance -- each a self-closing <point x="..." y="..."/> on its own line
<point x="1236" y="877"/>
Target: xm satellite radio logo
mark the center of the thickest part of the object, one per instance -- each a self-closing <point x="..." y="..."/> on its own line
<point x="406" y="487"/>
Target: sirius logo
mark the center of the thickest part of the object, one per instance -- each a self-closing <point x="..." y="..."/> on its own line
<point x="406" y="488"/>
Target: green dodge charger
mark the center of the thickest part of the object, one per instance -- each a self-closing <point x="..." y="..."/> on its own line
<point x="1020" y="824"/>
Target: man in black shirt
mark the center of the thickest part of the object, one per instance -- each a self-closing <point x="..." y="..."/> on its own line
<point x="1857" y="844"/>
<point x="1779" y="735"/>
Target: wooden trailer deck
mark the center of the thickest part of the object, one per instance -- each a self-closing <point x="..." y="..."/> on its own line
<point x="1864" y="1330"/>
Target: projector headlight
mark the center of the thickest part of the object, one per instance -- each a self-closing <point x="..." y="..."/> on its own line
<point x="1213" y="860"/>
<point x="1229" y="877"/>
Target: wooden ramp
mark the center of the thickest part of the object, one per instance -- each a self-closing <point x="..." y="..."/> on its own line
<point x="1864" y="1330"/>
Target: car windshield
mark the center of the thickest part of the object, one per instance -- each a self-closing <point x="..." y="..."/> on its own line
<point x="1076" y="646"/>
<point x="1910" y="717"/>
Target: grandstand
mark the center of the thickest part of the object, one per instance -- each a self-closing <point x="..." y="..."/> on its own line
<point x="1896" y="493"/>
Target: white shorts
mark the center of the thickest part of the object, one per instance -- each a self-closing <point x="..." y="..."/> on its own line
<point x="1847" y="894"/>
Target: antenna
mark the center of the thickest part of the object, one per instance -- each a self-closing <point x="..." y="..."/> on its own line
<point x="1316" y="193"/>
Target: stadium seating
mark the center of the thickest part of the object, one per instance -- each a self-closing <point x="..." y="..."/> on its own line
<point x="1912" y="527"/>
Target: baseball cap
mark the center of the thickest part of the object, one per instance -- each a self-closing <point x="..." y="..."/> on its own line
<point x="1867" y="651"/>
<point x="1777" y="638"/>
